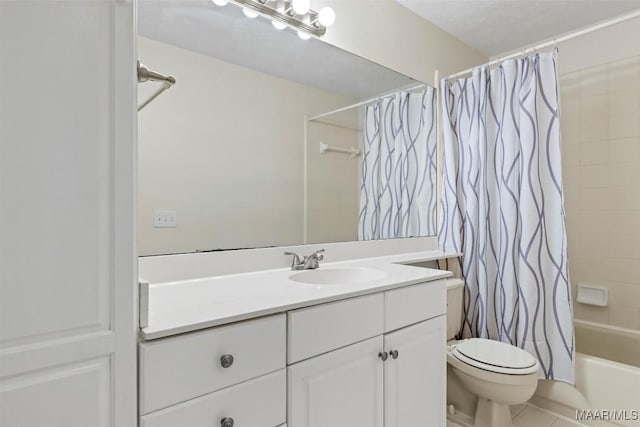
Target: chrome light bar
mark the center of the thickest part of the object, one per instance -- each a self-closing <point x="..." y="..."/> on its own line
<point x="282" y="11"/>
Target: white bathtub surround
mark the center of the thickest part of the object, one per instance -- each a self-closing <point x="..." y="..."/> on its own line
<point x="600" y="124"/>
<point x="503" y="208"/>
<point x="187" y="305"/>
<point x="602" y="381"/>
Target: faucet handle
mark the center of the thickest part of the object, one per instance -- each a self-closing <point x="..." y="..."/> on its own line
<point x="317" y="254"/>
<point x="296" y="259"/>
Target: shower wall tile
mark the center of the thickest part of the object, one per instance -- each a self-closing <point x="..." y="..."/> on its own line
<point x="570" y="130"/>
<point x="624" y="150"/>
<point x="624" y="174"/>
<point x="623" y="293"/>
<point x="571" y="176"/>
<point x="624" y="101"/>
<point x="595" y="176"/>
<point x="624" y="75"/>
<point x="625" y="245"/>
<point x="570" y="155"/>
<point x="571" y="110"/>
<point x="594" y="81"/>
<point x="594" y="129"/>
<point x="594" y="108"/>
<point x="591" y="313"/>
<point x="595" y="199"/>
<point x="594" y="153"/>
<point x="600" y="127"/>
<point x="572" y="203"/>
<point x="624" y="198"/>
<point x="624" y="222"/>
<point x="594" y="245"/>
<point x="624" y="125"/>
<point x="624" y="316"/>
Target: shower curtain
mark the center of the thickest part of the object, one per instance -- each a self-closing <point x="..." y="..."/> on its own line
<point x="398" y="168"/>
<point x="502" y="207"/>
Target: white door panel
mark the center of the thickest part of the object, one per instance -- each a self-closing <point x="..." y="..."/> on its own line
<point x="67" y="250"/>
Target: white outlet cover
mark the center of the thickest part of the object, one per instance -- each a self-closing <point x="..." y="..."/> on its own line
<point x="165" y="218"/>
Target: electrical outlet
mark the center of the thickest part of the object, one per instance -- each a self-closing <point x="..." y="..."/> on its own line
<point x="163" y="219"/>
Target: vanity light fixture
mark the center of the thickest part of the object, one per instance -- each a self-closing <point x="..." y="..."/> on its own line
<point x="249" y="13"/>
<point x="288" y="13"/>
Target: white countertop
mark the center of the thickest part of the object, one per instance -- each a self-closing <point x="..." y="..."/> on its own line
<point x="188" y="305"/>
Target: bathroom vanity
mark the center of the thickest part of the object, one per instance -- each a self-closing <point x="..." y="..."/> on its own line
<point x="358" y="343"/>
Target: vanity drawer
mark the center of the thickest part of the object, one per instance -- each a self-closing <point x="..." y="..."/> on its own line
<point x="260" y="402"/>
<point x="326" y="327"/>
<point x="413" y="304"/>
<point x="179" y="368"/>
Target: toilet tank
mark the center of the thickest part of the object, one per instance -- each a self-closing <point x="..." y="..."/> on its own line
<point x="455" y="297"/>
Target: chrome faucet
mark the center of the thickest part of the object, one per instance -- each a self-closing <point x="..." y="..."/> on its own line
<point x="309" y="262"/>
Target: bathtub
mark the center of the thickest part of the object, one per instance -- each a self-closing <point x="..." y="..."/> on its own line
<point x="607" y="375"/>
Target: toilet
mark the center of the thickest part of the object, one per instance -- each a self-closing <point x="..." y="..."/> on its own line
<point x="499" y="374"/>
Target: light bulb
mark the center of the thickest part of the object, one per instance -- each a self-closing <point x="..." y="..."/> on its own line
<point x="249" y="13"/>
<point x="220" y="2"/>
<point x="278" y="25"/>
<point x="301" y="7"/>
<point x="326" y="16"/>
<point x="303" y="35"/>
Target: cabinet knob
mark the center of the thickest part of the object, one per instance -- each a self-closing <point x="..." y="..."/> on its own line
<point x="383" y="355"/>
<point x="394" y="354"/>
<point x="226" y="422"/>
<point x="226" y="361"/>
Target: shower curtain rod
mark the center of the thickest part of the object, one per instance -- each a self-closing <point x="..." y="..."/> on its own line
<point x="147" y="75"/>
<point x="365" y="102"/>
<point x="555" y="41"/>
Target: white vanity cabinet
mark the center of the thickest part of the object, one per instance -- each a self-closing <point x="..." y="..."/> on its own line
<point x="343" y="388"/>
<point x="393" y="376"/>
<point x="231" y="375"/>
<point x="376" y="360"/>
<point x="414" y="378"/>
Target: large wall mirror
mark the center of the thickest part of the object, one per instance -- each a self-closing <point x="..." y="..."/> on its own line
<point x="270" y="140"/>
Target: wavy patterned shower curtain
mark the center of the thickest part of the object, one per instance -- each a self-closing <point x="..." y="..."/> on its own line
<point x="398" y="169"/>
<point x="502" y="207"/>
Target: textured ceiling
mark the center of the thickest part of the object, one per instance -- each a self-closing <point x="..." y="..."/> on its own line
<point x="225" y="33"/>
<point x="498" y="26"/>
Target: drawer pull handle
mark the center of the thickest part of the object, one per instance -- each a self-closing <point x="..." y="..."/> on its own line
<point x="226" y="422"/>
<point x="394" y="353"/>
<point x="226" y="361"/>
<point x="383" y="355"/>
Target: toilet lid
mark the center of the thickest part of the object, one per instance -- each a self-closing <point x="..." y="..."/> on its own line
<point x="495" y="353"/>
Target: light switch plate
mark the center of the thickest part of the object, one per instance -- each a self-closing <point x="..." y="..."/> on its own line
<point x="164" y="218"/>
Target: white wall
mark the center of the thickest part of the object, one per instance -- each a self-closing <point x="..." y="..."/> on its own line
<point x="386" y="32"/>
<point x="333" y="179"/>
<point x="235" y="180"/>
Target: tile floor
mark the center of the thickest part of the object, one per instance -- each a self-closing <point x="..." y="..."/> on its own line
<point x="530" y="416"/>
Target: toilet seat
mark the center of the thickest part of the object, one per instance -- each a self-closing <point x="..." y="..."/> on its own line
<point x="494" y="356"/>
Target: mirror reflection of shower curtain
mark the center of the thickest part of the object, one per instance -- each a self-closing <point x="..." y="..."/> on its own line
<point x="398" y="170"/>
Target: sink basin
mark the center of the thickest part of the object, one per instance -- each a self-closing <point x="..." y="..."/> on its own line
<point x="337" y="276"/>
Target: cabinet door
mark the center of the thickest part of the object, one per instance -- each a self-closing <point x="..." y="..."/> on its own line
<point x="67" y="236"/>
<point x="342" y="388"/>
<point x="415" y="379"/>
